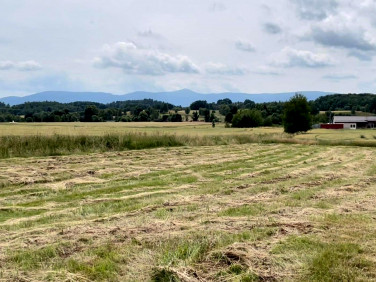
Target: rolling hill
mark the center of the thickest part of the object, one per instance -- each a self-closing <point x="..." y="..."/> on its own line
<point x="182" y="97"/>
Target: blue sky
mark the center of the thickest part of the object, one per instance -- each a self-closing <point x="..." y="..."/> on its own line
<point x="207" y="46"/>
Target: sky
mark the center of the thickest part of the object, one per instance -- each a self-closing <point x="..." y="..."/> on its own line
<point x="248" y="46"/>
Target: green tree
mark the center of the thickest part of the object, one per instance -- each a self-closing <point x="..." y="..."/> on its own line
<point x="224" y="109"/>
<point x="247" y="118"/>
<point x="213" y="117"/>
<point x="90" y="111"/>
<point x="196" y="105"/>
<point x="143" y="116"/>
<point x="176" y="118"/>
<point x="195" y="116"/>
<point x="206" y="113"/>
<point x="229" y="117"/>
<point x="225" y="101"/>
<point x="297" y="115"/>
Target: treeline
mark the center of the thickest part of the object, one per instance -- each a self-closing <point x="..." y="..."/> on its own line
<point x="347" y="102"/>
<point x="239" y="114"/>
<point x="143" y="110"/>
<point x="138" y="110"/>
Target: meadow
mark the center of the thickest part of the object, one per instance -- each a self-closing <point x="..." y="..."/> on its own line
<point x="46" y="139"/>
<point x="239" y="208"/>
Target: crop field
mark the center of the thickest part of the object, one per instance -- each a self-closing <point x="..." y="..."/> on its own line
<point x="235" y="212"/>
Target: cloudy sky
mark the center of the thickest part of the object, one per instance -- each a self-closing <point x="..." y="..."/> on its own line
<point x="207" y="46"/>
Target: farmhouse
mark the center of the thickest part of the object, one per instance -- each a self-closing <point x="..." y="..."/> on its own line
<point x="354" y="122"/>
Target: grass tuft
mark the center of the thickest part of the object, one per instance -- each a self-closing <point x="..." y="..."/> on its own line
<point x="246" y="210"/>
<point x="164" y="275"/>
<point x="337" y="262"/>
<point x="324" y="261"/>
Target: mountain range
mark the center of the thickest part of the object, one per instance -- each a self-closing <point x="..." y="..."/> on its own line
<point x="182" y="97"/>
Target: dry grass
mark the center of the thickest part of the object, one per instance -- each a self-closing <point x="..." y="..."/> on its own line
<point x="226" y="213"/>
<point x="191" y="129"/>
<point x="51" y="139"/>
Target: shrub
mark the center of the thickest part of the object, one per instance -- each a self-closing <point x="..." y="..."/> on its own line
<point x="247" y="118"/>
<point x="176" y="118"/>
<point x="195" y="116"/>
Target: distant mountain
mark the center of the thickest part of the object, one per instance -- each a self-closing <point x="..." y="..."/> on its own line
<point x="182" y="97"/>
<point x="62" y="97"/>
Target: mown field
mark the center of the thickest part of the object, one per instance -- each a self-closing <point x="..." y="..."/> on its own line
<point x="235" y="212"/>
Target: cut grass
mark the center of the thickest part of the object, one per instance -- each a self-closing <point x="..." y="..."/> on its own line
<point x="338" y="262"/>
<point x="229" y="213"/>
<point x="103" y="263"/>
<point x="34" y="258"/>
<point x="246" y="210"/>
<point x="12" y="213"/>
<point x="323" y="261"/>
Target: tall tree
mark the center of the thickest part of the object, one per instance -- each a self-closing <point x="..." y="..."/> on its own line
<point x="297" y="115"/>
<point x="89" y="112"/>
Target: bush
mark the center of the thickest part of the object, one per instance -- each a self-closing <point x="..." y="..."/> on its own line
<point x="247" y="118"/>
<point x="198" y="104"/>
<point x="195" y="116"/>
<point x="176" y="118"/>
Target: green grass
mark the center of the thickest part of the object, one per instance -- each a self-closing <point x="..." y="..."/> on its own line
<point x="163" y="275"/>
<point x="284" y="212"/>
<point x="34" y="258"/>
<point x="322" y="261"/>
<point x="337" y="262"/>
<point x="64" y="139"/>
<point x="103" y="263"/>
<point x="13" y="213"/>
<point x="246" y="210"/>
<point x="28" y="146"/>
<point x="187" y="250"/>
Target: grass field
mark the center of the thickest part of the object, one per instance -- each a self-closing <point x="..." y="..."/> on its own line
<point x="51" y="139"/>
<point x="105" y="128"/>
<point x="236" y="212"/>
<point x="183" y="128"/>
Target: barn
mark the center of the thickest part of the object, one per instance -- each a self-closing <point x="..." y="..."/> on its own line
<point x="331" y="125"/>
<point x="354" y="122"/>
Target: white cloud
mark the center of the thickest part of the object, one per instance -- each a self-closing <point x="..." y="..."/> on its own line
<point x="28" y="66"/>
<point x="149" y="34"/>
<point x="290" y="57"/>
<point x="267" y="70"/>
<point x="272" y="28"/>
<point x="218" y="68"/>
<point x="338" y="31"/>
<point x="367" y="8"/>
<point x="315" y="9"/>
<point x="338" y="77"/>
<point x="20" y="66"/>
<point x="6" y="65"/>
<point x="217" y="7"/>
<point x="361" y="56"/>
<point x="244" y="46"/>
<point x="133" y="59"/>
